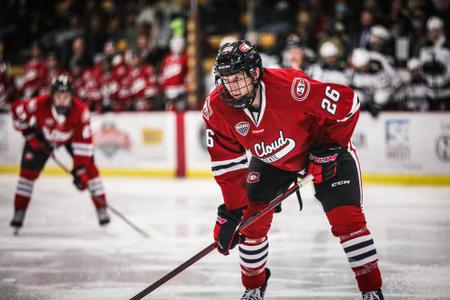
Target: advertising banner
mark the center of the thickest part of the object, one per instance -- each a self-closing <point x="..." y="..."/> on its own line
<point x="124" y="141"/>
<point x="393" y="143"/>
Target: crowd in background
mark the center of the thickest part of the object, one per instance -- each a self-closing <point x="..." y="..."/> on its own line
<point x="131" y="55"/>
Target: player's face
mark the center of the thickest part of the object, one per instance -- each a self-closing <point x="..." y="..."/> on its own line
<point x="239" y="84"/>
<point x="330" y="60"/>
<point x="296" y="55"/>
<point x="62" y="99"/>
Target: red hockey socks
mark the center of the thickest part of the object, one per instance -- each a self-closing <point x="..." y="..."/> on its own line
<point x="97" y="191"/>
<point x="253" y="257"/>
<point x="349" y="224"/>
<point x="24" y="188"/>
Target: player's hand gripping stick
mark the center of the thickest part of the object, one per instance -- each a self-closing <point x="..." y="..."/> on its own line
<point x="272" y="204"/>
<point x="225" y="233"/>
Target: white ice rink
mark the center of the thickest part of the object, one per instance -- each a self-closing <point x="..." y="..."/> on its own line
<point x="62" y="253"/>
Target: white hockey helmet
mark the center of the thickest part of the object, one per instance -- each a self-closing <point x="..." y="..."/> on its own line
<point x="328" y="49"/>
<point x="360" y="57"/>
<point x="380" y="32"/>
<point x="413" y="64"/>
<point x="434" y="23"/>
<point x="177" y="44"/>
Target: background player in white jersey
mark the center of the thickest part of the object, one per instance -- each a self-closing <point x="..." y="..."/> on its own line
<point x="374" y="80"/>
<point x="330" y="68"/>
<point x="290" y="123"/>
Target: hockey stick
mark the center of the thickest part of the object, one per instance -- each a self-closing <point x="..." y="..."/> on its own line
<point x="112" y="209"/>
<point x="272" y="204"/>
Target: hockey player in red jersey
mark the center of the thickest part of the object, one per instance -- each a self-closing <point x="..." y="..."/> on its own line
<point x="47" y="122"/>
<point x="291" y="124"/>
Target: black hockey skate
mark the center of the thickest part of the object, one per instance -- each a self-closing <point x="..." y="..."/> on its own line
<point x="103" y="216"/>
<point x="17" y="221"/>
<point x="258" y="293"/>
<point x="374" y="295"/>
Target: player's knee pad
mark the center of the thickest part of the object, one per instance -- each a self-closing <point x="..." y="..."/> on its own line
<point x="344" y="188"/>
<point x="33" y="160"/>
<point x="346" y="219"/>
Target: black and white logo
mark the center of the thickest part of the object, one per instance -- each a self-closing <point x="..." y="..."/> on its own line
<point x="443" y="148"/>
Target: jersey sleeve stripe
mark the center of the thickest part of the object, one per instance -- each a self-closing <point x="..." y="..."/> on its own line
<point x="355" y="107"/>
<point x="231" y="164"/>
<point x="225" y="166"/>
<point x="228" y="161"/>
<point x="230" y="169"/>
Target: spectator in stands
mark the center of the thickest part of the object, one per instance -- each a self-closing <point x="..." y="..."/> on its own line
<point x="379" y="42"/>
<point x="35" y="72"/>
<point x="80" y="53"/>
<point x="96" y="36"/>
<point x="336" y="33"/>
<point x="367" y="21"/>
<point x="141" y="84"/>
<point x="76" y="69"/>
<point x="8" y="91"/>
<point x="108" y="84"/>
<point x="115" y="58"/>
<point x="434" y="54"/>
<point x="415" y="89"/>
<point x="91" y="84"/>
<point x="374" y="80"/>
<point x="305" y="29"/>
<point x="330" y="67"/>
<point x="295" y="54"/>
<point x="173" y="76"/>
<point x="53" y="69"/>
<point x="145" y="50"/>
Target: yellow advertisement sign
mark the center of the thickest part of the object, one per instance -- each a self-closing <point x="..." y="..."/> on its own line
<point x="151" y="136"/>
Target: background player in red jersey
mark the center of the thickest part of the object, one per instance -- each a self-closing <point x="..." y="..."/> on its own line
<point x="291" y="124"/>
<point x="47" y="122"/>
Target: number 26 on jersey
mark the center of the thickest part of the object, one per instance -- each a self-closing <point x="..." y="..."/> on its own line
<point x="330" y="100"/>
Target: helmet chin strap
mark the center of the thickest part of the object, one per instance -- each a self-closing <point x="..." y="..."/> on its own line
<point x="248" y="100"/>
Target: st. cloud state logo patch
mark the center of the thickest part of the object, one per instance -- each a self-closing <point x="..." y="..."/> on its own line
<point x="242" y="128"/>
<point x="300" y="88"/>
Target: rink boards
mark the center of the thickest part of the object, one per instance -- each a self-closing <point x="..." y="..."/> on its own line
<point x="393" y="148"/>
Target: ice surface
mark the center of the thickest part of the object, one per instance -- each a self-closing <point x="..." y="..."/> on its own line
<point x="61" y="253"/>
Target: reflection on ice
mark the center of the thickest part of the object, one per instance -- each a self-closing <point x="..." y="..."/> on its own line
<point x="61" y="253"/>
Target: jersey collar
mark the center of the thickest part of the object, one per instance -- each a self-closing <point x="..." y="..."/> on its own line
<point x="59" y="118"/>
<point x="257" y="120"/>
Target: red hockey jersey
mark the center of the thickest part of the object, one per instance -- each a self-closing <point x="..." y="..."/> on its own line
<point x="296" y="113"/>
<point x="174" y="71"/>
<point x="38" y="112"/>
<point x="35" y="73"/>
